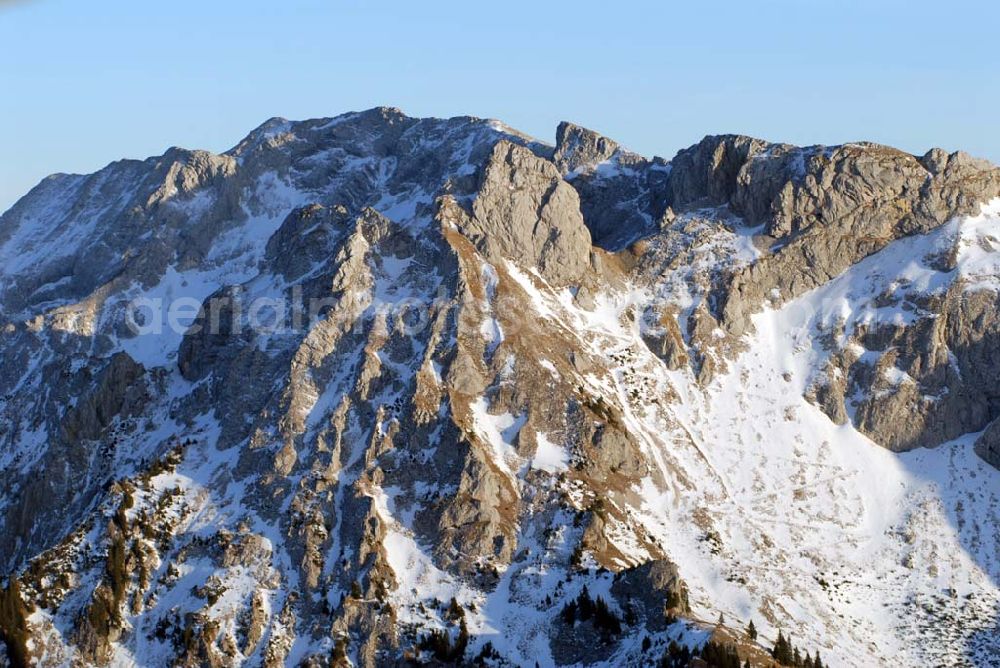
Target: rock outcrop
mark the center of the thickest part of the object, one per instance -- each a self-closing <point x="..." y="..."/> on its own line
<point x="822" y="209"/>
<point x="622" y="194"/>
<point x="525" y="212"/>
<point x="988" y="444"/>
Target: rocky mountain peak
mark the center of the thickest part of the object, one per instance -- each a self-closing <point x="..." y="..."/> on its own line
<point x="526" y="212"/>
<point x="578" y="147"/>
<point x="377" y="389"/>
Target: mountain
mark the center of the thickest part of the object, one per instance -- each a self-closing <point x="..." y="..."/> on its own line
<point x="379" y="390"/>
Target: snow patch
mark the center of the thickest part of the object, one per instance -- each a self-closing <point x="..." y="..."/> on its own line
<point x="549" y="457"/>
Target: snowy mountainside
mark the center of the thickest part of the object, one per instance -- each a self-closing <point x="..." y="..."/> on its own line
<point x="374" y="389"/>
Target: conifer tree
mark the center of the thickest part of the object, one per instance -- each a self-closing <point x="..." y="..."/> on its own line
<point x="677" y="656"/>
<point x="751" y="631"/>
<point x="782" y="651"/>
<point x="717" y="655"/>
<point x="604" y="619"/>
<point x="454" y="609"/>
<point x="463" y="641"/>
<point x="584" y="605"/>
<point x="487" y="652"/>
<point x="630" y="617"/>
<point x="437" y="643"/>
<point x="569" y="613"/>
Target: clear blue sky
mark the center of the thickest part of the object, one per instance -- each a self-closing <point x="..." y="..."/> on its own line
<point x="84" y="83"/>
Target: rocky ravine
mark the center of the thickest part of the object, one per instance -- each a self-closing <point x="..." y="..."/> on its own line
<point x="427" y="360"/>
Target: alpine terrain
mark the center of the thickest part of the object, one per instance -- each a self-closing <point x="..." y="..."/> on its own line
<point x="377" y="390"/>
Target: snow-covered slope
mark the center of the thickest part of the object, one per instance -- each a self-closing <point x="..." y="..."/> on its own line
<point x="776" y="513"/>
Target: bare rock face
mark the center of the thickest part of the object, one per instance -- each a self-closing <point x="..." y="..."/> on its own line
<point x="119" y="392"/>
<point x="578" y="147"/>
<point x="109" y="402"/>
<point x="622" y="194"/>
<point x="708" y="172"/>
<point x="480" y="522"/>
<point x="823" y="209"/>
<point x="988" y="445"/>
<point x="949" y="359"/>
<point x="525" y="211"/>
<point x="923" y="383"/>
<point x="663" y="336"/>
<point x="655" y="588"/>
<point x="138" y="196"/>
<point x="306" y="238"/>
